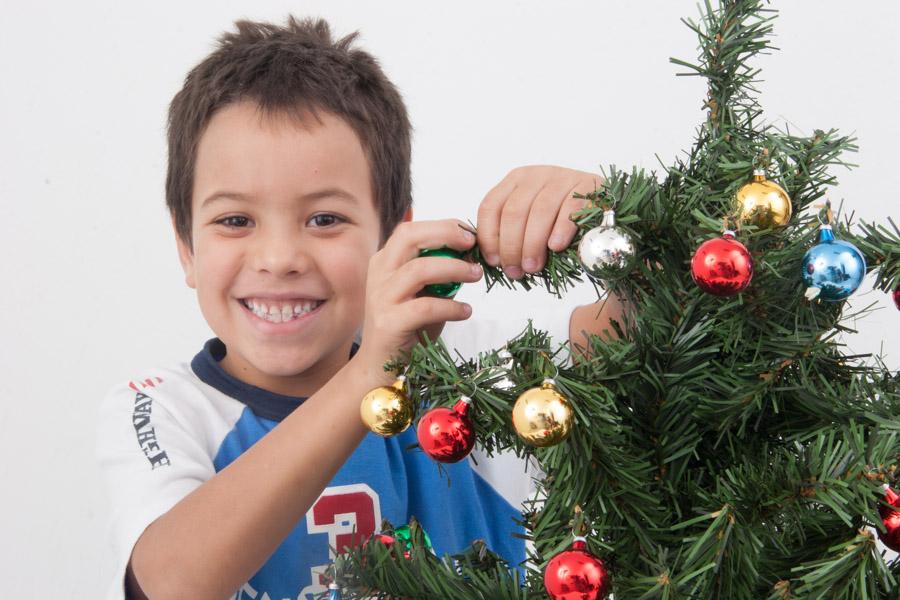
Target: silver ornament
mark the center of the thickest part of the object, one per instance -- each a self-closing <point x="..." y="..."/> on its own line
<point x="607" y="251"/>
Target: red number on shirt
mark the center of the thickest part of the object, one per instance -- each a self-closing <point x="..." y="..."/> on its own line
<point x="349" y="514"/>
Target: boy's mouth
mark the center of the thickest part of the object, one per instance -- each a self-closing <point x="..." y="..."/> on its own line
<point x="280" y="311"/>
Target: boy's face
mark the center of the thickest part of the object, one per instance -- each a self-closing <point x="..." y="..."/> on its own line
<point x="284" y="224"/>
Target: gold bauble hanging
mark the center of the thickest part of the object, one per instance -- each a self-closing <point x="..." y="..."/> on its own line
<point x="387" y="410"/>
<point x="542" y="416"/>
<point x="763" y="203"/>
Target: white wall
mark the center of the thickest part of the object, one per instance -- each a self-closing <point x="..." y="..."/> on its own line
<point x="92" y="289"/>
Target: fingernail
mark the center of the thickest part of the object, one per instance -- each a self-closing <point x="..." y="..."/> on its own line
<point x="513" y="272"/>
<point x="476" y="269"/>
<point x="529" y="264"/>
<point x="493" y="260"/>
<point x="467" y="309"/>
<point x="557" y="242"/>
<point x="470" y="237"/>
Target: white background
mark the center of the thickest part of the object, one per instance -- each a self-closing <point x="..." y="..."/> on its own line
<point x="91" y="287"/>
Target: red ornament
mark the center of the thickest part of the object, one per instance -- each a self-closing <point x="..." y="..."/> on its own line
<point x="722" y="266"/>
<point x="897" y="296"/>
<point x="447" y="435"/>
<point x="576" y="574"/>
<point x="891" y="519"/>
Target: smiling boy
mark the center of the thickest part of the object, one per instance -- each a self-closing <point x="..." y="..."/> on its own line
<point x="290" y="196"/>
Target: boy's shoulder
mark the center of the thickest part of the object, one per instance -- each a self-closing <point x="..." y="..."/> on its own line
<point x="162" y="400"/>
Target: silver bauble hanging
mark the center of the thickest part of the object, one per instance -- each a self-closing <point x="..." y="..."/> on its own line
<point x="607" y="251"/>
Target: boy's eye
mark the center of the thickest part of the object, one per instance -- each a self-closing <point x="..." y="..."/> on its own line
<point x="233" y="221"/>
<point x="324" y="220"/>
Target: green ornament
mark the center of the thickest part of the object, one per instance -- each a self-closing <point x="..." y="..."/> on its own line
<point x="403" y="535"/>
<point x="442" y="290"/>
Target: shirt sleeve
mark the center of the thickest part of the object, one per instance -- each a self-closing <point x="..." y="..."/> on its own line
<point x="149" y="459"/>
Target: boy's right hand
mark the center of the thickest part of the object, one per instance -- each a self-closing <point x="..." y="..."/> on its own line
<point x="395" y="311"/>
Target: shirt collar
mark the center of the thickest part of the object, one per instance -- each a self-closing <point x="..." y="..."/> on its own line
<point x="268" y="405"/>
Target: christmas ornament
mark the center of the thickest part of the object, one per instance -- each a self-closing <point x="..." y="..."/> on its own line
<point x="763" y="203"/>
<point x="442" y="290"/>
<point x="576" y="574"/>
<point x="334" y="592"/>
<point x="897" y="296"/>
<point x="542" y="416"/>
<point x="832" y="269"/>
<point x="387" y="410"/>
<point x="403" y="534"/>
<point x="890" y="517"/>
<point x="447" y="434"/>
<point x="722" y="266"/>
<point x="384" y="538"/>
<point x="607" y="251"/>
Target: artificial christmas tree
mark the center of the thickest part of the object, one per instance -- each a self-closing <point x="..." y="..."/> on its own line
<point x="723" y="446"/>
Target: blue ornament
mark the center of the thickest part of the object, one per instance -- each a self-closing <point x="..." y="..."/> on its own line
<point x="832" y="269"/>
<point x="334" y="592"/>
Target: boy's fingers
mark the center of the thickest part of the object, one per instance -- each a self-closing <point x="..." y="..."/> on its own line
<point x="409" y="238"/>
<point x="414" y="275"/>
<point x="565" y="228"/>
<point x="541" y="220"/>
<point x="425" y="311"/>
<point x="489" y="220"/>
<point x="513" y="220"/>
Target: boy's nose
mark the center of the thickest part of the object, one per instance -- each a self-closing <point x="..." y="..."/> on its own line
<point x="280" y="253"/>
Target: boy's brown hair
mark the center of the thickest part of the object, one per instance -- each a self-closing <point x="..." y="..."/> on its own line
<point x="296" y="69"/>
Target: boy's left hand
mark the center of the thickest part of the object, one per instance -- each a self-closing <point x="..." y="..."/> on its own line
<point x="527" y="213"/>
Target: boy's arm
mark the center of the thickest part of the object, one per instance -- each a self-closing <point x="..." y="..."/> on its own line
<point x="527" y="213"/>
<point x="220" y="534"/>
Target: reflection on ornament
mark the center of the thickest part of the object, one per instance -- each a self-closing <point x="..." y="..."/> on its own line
<point x="576" y="574"/>
<point x="442" y="290"/>
<point x="607" y="251"/>
<point x="542" y="416"/>
<point x="890" y="517"/>
<point x="387" y="410"/>
<point x="763" y="203"/>
<point x="447" y="435"/>
<point x="722" y="266"/>
<point x="832" y="269"/>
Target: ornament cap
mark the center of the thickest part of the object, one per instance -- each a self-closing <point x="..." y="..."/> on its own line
<point x="398" y="383"/>
<point x="609" y="218"/>
<point x="890" y="495"/>
<point x="579" y="543"/>
<point x="826" y="234"/>
<point x="333" y="586"/>
<point x="548" y="381"/>
<point x="462" y="405"/>
<point x="728" y="234"/>
<point x="759" y="174"/>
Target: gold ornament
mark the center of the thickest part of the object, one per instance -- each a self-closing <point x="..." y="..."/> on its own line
<point x="542" y="416"/>
<point x="763" y="203"/>
<point x="387" y="410"/>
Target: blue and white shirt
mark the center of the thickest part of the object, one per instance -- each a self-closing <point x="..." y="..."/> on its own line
<point x="164" y="433"/>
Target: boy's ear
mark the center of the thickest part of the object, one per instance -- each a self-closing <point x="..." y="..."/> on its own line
<point x="186" y="257"/>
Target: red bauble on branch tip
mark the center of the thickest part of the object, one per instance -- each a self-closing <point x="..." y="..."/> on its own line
<point x="447" y="435"/>
<point x="576" y="574"/>
<point x="897" y="296"/>
<point x="722" y="266"/>
<point x="890" y="517"/>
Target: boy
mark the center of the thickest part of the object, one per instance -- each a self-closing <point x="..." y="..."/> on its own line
<point x="288" y="176"/>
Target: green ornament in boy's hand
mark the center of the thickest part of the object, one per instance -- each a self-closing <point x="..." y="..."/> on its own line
<point x="442" y="290"/>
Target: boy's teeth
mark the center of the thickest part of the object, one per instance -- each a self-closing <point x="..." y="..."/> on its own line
<point x="279" y="313"/>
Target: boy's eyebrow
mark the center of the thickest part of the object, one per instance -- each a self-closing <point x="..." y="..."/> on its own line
<point x="332" y="192"/>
